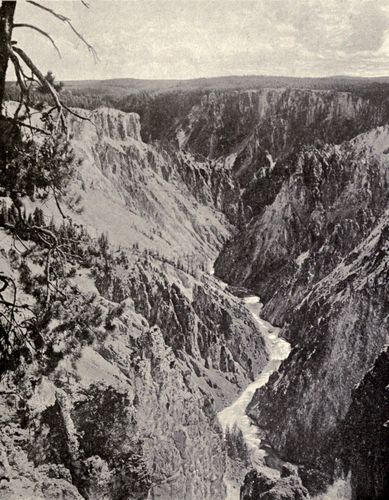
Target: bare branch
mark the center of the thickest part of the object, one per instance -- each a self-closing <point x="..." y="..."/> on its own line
<point x="43" y="81"/>
<point x="56" y="199"/>
<point x="20" y="80"/>
<point x="47" y="9"/>
<point x="39" y="75"/>
<point x="90" y="47"/>
<point x="18" y="71"/>
<point x="5" y="302"/>
<point x="72" y="112"/>
<point x="31" y="127"/>
<point x="47" y="232"/>
<point x="68" y="21"/>
<point x="42" y="32"/>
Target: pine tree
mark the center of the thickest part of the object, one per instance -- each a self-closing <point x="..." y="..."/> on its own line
<point x="38" y="217"/>
<point x="236" y="446"/>
<point x="3" y="213"/>
<point x="50" y="78"/>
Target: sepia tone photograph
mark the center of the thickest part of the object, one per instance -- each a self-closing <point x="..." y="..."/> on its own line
<point x="194" y="249"/>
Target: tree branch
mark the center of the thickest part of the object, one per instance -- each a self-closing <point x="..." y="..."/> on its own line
<point x="68" y="21"/>
<point x="42" y="32"/>
<point x="58" y="104"/>
<point x="21" y="82"/>
<point x="42" y="79"/>
<point x="31" y="127"/>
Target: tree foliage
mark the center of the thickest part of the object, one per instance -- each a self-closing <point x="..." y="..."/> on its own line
<point x="37" y="164"/>
<point x="58" y="86"/>
<point x="37" y="168"/>
<point x="236" y="447"/>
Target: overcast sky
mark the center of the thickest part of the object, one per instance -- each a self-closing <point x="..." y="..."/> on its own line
<point x="200" y="38"/>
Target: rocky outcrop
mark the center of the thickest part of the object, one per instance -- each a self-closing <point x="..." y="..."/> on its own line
<point x="279" y="119"/>
<point x="256" y="131"/>
<point x="212" y="181"/>
<point x="131" y="413"/>
<point x="326" y="207"/>
<point x="144" y="195"/>
<point x="196" y="316"/>
<point x="337" y="331"/>
<point x="258" y="486"/>
<point x="108" y="124"/>
<point x="365" y="433"/>
<point x="264" y="129"/>
<point x="124" y="419"/>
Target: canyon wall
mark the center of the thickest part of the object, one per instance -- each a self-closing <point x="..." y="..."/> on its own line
<point x="318" y="256"/>
<point x="365" y="434"/>
<point x="116" y="396"/>
<point x="289" y="189"/>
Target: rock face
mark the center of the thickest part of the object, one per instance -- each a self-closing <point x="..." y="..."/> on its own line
<point x="257" y="130"/>
<point x="147" y="196"/>
<point x="338" y="330"/>
<point x="127" y="419"/>
<point x="197" y="318"/>
<point x="318" y="255"/>
<point x="264" y="127"/>
<point x="278" y="118"/>
<point x="365" y="433"/>
<point x="312" y="241"/>
<point x="258" y="486"/>
<point x="131" y="413"/>
<point x="325" y="208"/>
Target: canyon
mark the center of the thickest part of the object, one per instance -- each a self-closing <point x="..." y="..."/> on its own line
<point x="284" y="193"/>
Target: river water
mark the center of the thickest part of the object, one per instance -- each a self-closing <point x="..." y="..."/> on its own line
<point x="235" y="414"/>
<point x="278" y="349"/>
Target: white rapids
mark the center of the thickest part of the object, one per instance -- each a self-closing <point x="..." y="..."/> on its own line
<point x="235" y="414"/>
<point x="278" y="349"/>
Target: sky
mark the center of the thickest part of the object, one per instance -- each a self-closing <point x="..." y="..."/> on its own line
<point x="179" y="39"/>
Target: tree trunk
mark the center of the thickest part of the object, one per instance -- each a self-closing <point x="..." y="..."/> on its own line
<point x="7" y="11"/>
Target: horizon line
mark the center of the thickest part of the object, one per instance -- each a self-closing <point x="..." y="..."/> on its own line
<point x="253" y="75"/>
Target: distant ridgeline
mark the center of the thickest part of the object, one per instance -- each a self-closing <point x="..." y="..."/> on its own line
<point x="168" y="102"/>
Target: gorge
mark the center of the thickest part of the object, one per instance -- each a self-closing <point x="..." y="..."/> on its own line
<point x="284" y="190"/>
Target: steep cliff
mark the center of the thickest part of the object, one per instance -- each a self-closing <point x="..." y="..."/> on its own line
<point x="278" y="119"/>
<point x="365" y="433"/>
<point x="141" y="194"/>
<point x="127" y="410"/>
<point x="256" y="129"/>
<point x="312" y="243"/>
<point x="264" y="127"/>
<point x="116" y="395"/>
<point x="123" y="418"/>
<point x="196" y="316"/>
<point x="337" y="331"/>
<point x="322" y="211"/>
<point x="318" y="256"/>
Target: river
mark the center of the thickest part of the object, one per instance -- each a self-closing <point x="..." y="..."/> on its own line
<point x="279" y="349"/>
<point x="235" y="414"/>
